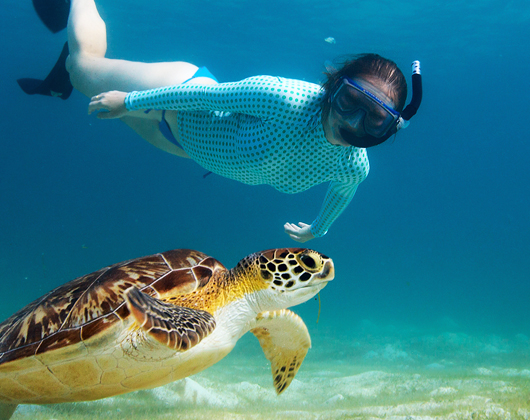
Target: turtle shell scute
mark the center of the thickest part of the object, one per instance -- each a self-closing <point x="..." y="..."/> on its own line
<point x="90" y="304"/>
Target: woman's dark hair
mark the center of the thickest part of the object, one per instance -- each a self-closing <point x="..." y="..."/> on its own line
<point x="366" y="65"/>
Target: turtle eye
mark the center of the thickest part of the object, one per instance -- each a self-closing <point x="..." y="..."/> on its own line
<point x="308" y="261"/>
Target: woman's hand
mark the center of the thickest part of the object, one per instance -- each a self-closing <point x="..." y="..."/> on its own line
<point x="111" y="104"/>
<point x="300" y="232"/>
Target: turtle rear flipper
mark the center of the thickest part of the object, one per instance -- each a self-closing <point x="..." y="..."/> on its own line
<point x="284" y="338"/>
<point x="174" y="326"/>
<point x="7" y="410"/>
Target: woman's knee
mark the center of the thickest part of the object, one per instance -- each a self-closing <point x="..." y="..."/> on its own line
<point x="81" y="69"/>
<point x="73" y="69"/>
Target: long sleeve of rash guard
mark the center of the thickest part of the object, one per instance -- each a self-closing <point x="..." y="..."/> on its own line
<point x="337" y="199"/>
<point x="264" y="97"/>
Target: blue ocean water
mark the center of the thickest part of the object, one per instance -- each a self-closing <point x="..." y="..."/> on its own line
<point x="436" y="239"/>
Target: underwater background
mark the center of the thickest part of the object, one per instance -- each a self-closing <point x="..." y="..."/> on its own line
<point x="428" y="315"/>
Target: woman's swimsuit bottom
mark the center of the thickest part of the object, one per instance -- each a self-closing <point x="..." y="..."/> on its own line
<point x="163" y="126"/>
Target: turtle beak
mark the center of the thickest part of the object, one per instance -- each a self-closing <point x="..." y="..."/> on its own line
<point x="321" y="279"/>
<point x="328" y="272"/>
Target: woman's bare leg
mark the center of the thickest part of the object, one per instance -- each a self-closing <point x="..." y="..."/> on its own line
<point x="148" y="129"/>
<point x="91" y="73"/>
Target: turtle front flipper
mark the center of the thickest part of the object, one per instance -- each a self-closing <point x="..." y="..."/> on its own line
<point x="285" y="341"/>
<point x="174" y="326"/>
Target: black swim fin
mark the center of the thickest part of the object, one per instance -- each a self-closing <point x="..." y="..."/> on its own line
<point x="53" y="13"/>
<point x="57" y="83"/>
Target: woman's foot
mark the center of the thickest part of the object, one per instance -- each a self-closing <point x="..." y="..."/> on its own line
<point x="53" y="13"/>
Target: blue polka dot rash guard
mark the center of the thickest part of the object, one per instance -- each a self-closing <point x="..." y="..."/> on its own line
<point x="263" y="130"/>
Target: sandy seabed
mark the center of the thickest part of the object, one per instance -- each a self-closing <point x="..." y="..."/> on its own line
<point x="375" y="376"/>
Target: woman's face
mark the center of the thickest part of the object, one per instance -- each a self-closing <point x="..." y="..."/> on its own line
<point x="334" y="121"/>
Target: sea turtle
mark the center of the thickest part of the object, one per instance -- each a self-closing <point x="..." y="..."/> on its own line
<point x="152" y="320"/>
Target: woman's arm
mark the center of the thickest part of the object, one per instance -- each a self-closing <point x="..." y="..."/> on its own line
<point x="353" y="170"/>
<point x="261" y="96"/>
<point x="337" y="199"/>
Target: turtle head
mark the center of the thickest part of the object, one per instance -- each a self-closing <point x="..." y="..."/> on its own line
<point x="284" y="277"/>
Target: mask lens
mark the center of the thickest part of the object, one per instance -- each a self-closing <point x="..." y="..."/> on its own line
<point x="376" y="124"/>
<point x="350" y="98"/>
<point x="362" y="142"/>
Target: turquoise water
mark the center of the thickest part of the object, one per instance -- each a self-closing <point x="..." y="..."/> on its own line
<point x="431" y="256"/>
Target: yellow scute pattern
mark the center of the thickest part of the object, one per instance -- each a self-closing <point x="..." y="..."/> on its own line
<point x="42" y="383"/>
<point x="77" y="373"/>
<point x="113" y="376"/>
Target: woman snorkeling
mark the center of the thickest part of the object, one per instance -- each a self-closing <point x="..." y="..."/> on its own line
<point x="286" y="133"/>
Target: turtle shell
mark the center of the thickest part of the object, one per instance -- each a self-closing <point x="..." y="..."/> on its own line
<point x="90" y="304"/>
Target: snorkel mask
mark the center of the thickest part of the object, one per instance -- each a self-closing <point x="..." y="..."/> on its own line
<point x="357" y="105"/>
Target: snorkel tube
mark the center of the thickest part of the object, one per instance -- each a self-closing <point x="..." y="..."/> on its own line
<point x="417" y="93"/>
